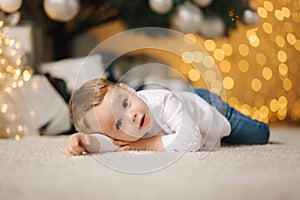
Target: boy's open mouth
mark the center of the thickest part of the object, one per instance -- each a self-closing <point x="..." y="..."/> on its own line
<point x="143" y="122"/>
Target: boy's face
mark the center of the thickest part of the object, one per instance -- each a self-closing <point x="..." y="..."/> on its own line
<point x="122" y="115"/>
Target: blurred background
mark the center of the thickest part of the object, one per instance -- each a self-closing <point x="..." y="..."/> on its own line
<point x="254" y="43"/>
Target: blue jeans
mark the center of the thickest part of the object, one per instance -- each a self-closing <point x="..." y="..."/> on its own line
<point x="244" y="130"/>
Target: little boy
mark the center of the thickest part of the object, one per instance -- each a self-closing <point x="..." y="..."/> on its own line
<point x="114" y="117"/>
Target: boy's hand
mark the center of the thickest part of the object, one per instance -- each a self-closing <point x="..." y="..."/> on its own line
<point x="76" y="144"/>
<point x="151" y="144"/>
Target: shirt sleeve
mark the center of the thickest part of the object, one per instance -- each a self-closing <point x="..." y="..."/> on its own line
<point x="186" y="135"/>
<point x="106" y="143"/>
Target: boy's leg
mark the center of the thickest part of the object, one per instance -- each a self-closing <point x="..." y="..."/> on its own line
<point x="244" y="130"/>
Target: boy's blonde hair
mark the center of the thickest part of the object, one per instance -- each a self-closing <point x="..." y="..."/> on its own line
<point x="89" y="95"/>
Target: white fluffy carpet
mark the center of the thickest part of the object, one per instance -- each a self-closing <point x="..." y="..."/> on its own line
<point x="36" y="168"/>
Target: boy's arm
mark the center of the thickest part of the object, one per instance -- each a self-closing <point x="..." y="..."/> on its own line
<point x="153" y="143"/>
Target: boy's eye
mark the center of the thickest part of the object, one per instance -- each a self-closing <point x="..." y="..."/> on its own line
<point x="119" y="124"/>
<point x="125" y="103"/>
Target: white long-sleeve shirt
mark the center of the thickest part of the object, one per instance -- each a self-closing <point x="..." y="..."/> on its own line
<point x="185" y="121"/>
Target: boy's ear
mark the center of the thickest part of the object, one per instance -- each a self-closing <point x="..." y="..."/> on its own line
<point x="128" y="88"/>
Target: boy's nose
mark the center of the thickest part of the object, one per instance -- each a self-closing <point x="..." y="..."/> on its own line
<point x="132" y="115"/>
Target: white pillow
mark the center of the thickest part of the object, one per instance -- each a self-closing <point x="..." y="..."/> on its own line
<point x="75" y="71"/>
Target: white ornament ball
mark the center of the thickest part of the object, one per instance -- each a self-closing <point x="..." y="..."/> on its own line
<point x="250" y="17"/>
<point x="161" y="6"/>
<point x="10" y="6"/>
<point x="61" y="10"/>
<point x="203" y="3"/>
<point x="212" y="27"/>
<point x="187" y="18"/>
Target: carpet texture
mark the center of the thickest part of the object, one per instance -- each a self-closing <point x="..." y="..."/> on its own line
<point x="36" y="168"/>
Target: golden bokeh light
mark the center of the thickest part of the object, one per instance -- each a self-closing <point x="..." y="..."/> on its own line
<point x="283" y="69"/>
<point x="197" y="56"/>
<point x="208" y="61"/>
<point x="228" y="82"/>
<point x="268" y="6"/>
<point x="225" y="66"/>
<point x="194" y="75"/>
<point x="282" y="56"/>
<point x="256" y="84"/>
<point x="209" y="45"/>
<point x="279" y="15"/>
<point x="187" y="57"/>
<point x="267" y="27"/>
<point x="210" y="75"/>
<point x="290" y="37"/>
<point x="243" y="49"/>
<point x="227" y="48"/>
<point x="280" y="41"/>
<point x="243" y="65"/>
<point x="267" y="73"/>
<point x="262" y="12"/>
<point x="190" y="39"/>
<point x="261" y="59"/>
<point x="287" y="84"/>
<point x="219" y="54"/>
<point x="259" y="64"/>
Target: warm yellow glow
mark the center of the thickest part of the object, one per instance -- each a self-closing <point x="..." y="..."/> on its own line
<point x="32" y="113"/>
<point x="216" y="86"/>
<point x="194" y="75"/>
<point x="267" y="73"/>
<point x="297" y="45"/>
<point x="14" y="85"/>
<point x="262" y="12"/>
<point x="7" y="131"/>
<point x="282" y="102"/>
<point x="219" y="54"/>
<point x="210" y="75"/>
<point x="274" y="105"/>
<point x="256" y="84"/>
<point x="20" y="83"/>
<point x="227" y="48"/>
<point x="243" y="49"/>
<point x="20" y="128"/>
<point x="243" y="66"/>
<point x="254" y="41"/>
<point x="286" y="12"/>
<point x="17" y="137"/>
<point x="282" y="56"/>
<point x="233" y="101"/>
<point x="280" y="41"/>
<point x="259" y="100"/>
<point x="225" y="66"/>
<point x="261" y="59"/>
<point x="4" y="108"/>
<point x="208" y="61"/>
<point x="197" y="56"/>
<point x="26" y="75"/>
<point x="190" y="39"/>
<point x="209" y="45"/>
<point x="268" y="6"/>
<point x="290" y="37"/>
<point x="267" y="27"/>
<point x="279" y="15"/>
<point x="228" y="82"/>
<point x="281" y="114"/>
<point x="287" y="84"/>
<point x="187" y="57"/>
<point x="283" y="69"/>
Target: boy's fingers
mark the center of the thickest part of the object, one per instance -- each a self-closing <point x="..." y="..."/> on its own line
<point x="124" y="148"/>
<point x="119" y="142"/>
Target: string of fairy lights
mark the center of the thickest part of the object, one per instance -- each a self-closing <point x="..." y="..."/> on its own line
<point x="258" y="64"/>
<point x="13" y="75"/>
